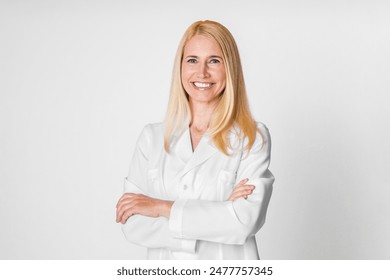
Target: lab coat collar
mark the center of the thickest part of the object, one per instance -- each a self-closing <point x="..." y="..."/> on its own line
<point x="183" y="150"/>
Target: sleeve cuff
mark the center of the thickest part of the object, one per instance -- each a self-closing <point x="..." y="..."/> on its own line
<point x="176" y="226"/>
<point x="176" y="218"/>
<point x="188" y="245"/>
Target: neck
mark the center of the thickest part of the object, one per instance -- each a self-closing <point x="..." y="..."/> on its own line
<point x="201" y="115"/>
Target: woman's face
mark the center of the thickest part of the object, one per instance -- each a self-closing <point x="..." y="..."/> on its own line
<point x="203" y="72"/>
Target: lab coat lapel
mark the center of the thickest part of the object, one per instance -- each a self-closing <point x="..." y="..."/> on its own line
<point x="183" y="148"/>
<point x="203" y="152"/>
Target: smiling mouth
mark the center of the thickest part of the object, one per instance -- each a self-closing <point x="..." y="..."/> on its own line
<point x="202" y="86"/>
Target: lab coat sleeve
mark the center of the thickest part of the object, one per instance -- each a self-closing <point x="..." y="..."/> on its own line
<point x="147" y="231"/>
<point x="226" y="221"/>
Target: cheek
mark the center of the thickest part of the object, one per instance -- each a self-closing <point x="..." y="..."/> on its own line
<point x="221" y="75"/>
<point x="184" y="74"/>
<point x="222" y="79"/>
<point x="184" y="80"/>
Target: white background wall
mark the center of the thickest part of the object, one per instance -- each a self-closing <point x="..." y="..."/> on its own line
<point x="79" y="79"/>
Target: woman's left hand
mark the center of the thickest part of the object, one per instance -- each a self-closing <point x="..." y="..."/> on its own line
<point x="241" y="190"/>
<point x="131" y="204"/>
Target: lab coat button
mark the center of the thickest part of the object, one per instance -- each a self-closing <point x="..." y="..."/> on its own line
<point x="185" y="187"/>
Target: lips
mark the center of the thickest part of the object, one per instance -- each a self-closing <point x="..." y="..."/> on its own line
<point x="202" y="86"/>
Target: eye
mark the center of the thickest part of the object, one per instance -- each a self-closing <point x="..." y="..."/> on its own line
<point x="214" y="60"/>
<point x="191" y="60"/>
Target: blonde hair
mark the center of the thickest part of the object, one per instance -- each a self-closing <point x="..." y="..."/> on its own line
<point x="232" y="108"/>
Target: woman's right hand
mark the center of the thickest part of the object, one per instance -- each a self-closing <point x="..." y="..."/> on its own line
<point x="241" y="190"/>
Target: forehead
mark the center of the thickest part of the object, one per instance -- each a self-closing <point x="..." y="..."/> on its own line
<point x="200" y="45"/>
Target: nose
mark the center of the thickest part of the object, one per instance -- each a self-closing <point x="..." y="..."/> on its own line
<point x="203" y="71"/>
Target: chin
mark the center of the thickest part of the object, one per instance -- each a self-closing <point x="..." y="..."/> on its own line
<point x="198" y="99"/>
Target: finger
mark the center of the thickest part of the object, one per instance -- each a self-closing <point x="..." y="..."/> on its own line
<point x="132" y="206"/>
<point x="243" y="188"/>
<point x="234" y="198"/>
<point x="124" y="196"/>
<point x="124" y="218"/>
<point x="240" y="189"/>
<point x="234" y="195"/>
<point x="244" y="193"/>
<point x="124" y="202"/>
<point x="127" y="196"/>
<point x="242" y="182"/>
<point x="124" y="205"/>
<point x="132" y="210"/>
<point x="125" y="215"/>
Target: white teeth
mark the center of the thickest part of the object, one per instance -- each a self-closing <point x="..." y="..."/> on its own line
<point x="202" y="85"/>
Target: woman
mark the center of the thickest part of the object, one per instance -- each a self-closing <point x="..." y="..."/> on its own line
<point x="199" y="185"/>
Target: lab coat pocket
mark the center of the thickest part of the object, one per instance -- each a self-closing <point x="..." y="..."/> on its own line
<point x="226" y="182"/>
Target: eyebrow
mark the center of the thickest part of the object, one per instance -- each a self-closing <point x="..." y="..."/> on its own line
<point x="212" y="56"/>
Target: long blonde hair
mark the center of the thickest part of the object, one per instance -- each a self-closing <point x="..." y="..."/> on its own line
<point x="232" y="108"/>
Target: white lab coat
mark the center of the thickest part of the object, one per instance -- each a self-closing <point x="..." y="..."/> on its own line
<point x="203" y="224"/>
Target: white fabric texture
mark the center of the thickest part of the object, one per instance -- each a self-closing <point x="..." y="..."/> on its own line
<point x="203" y="224"/>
